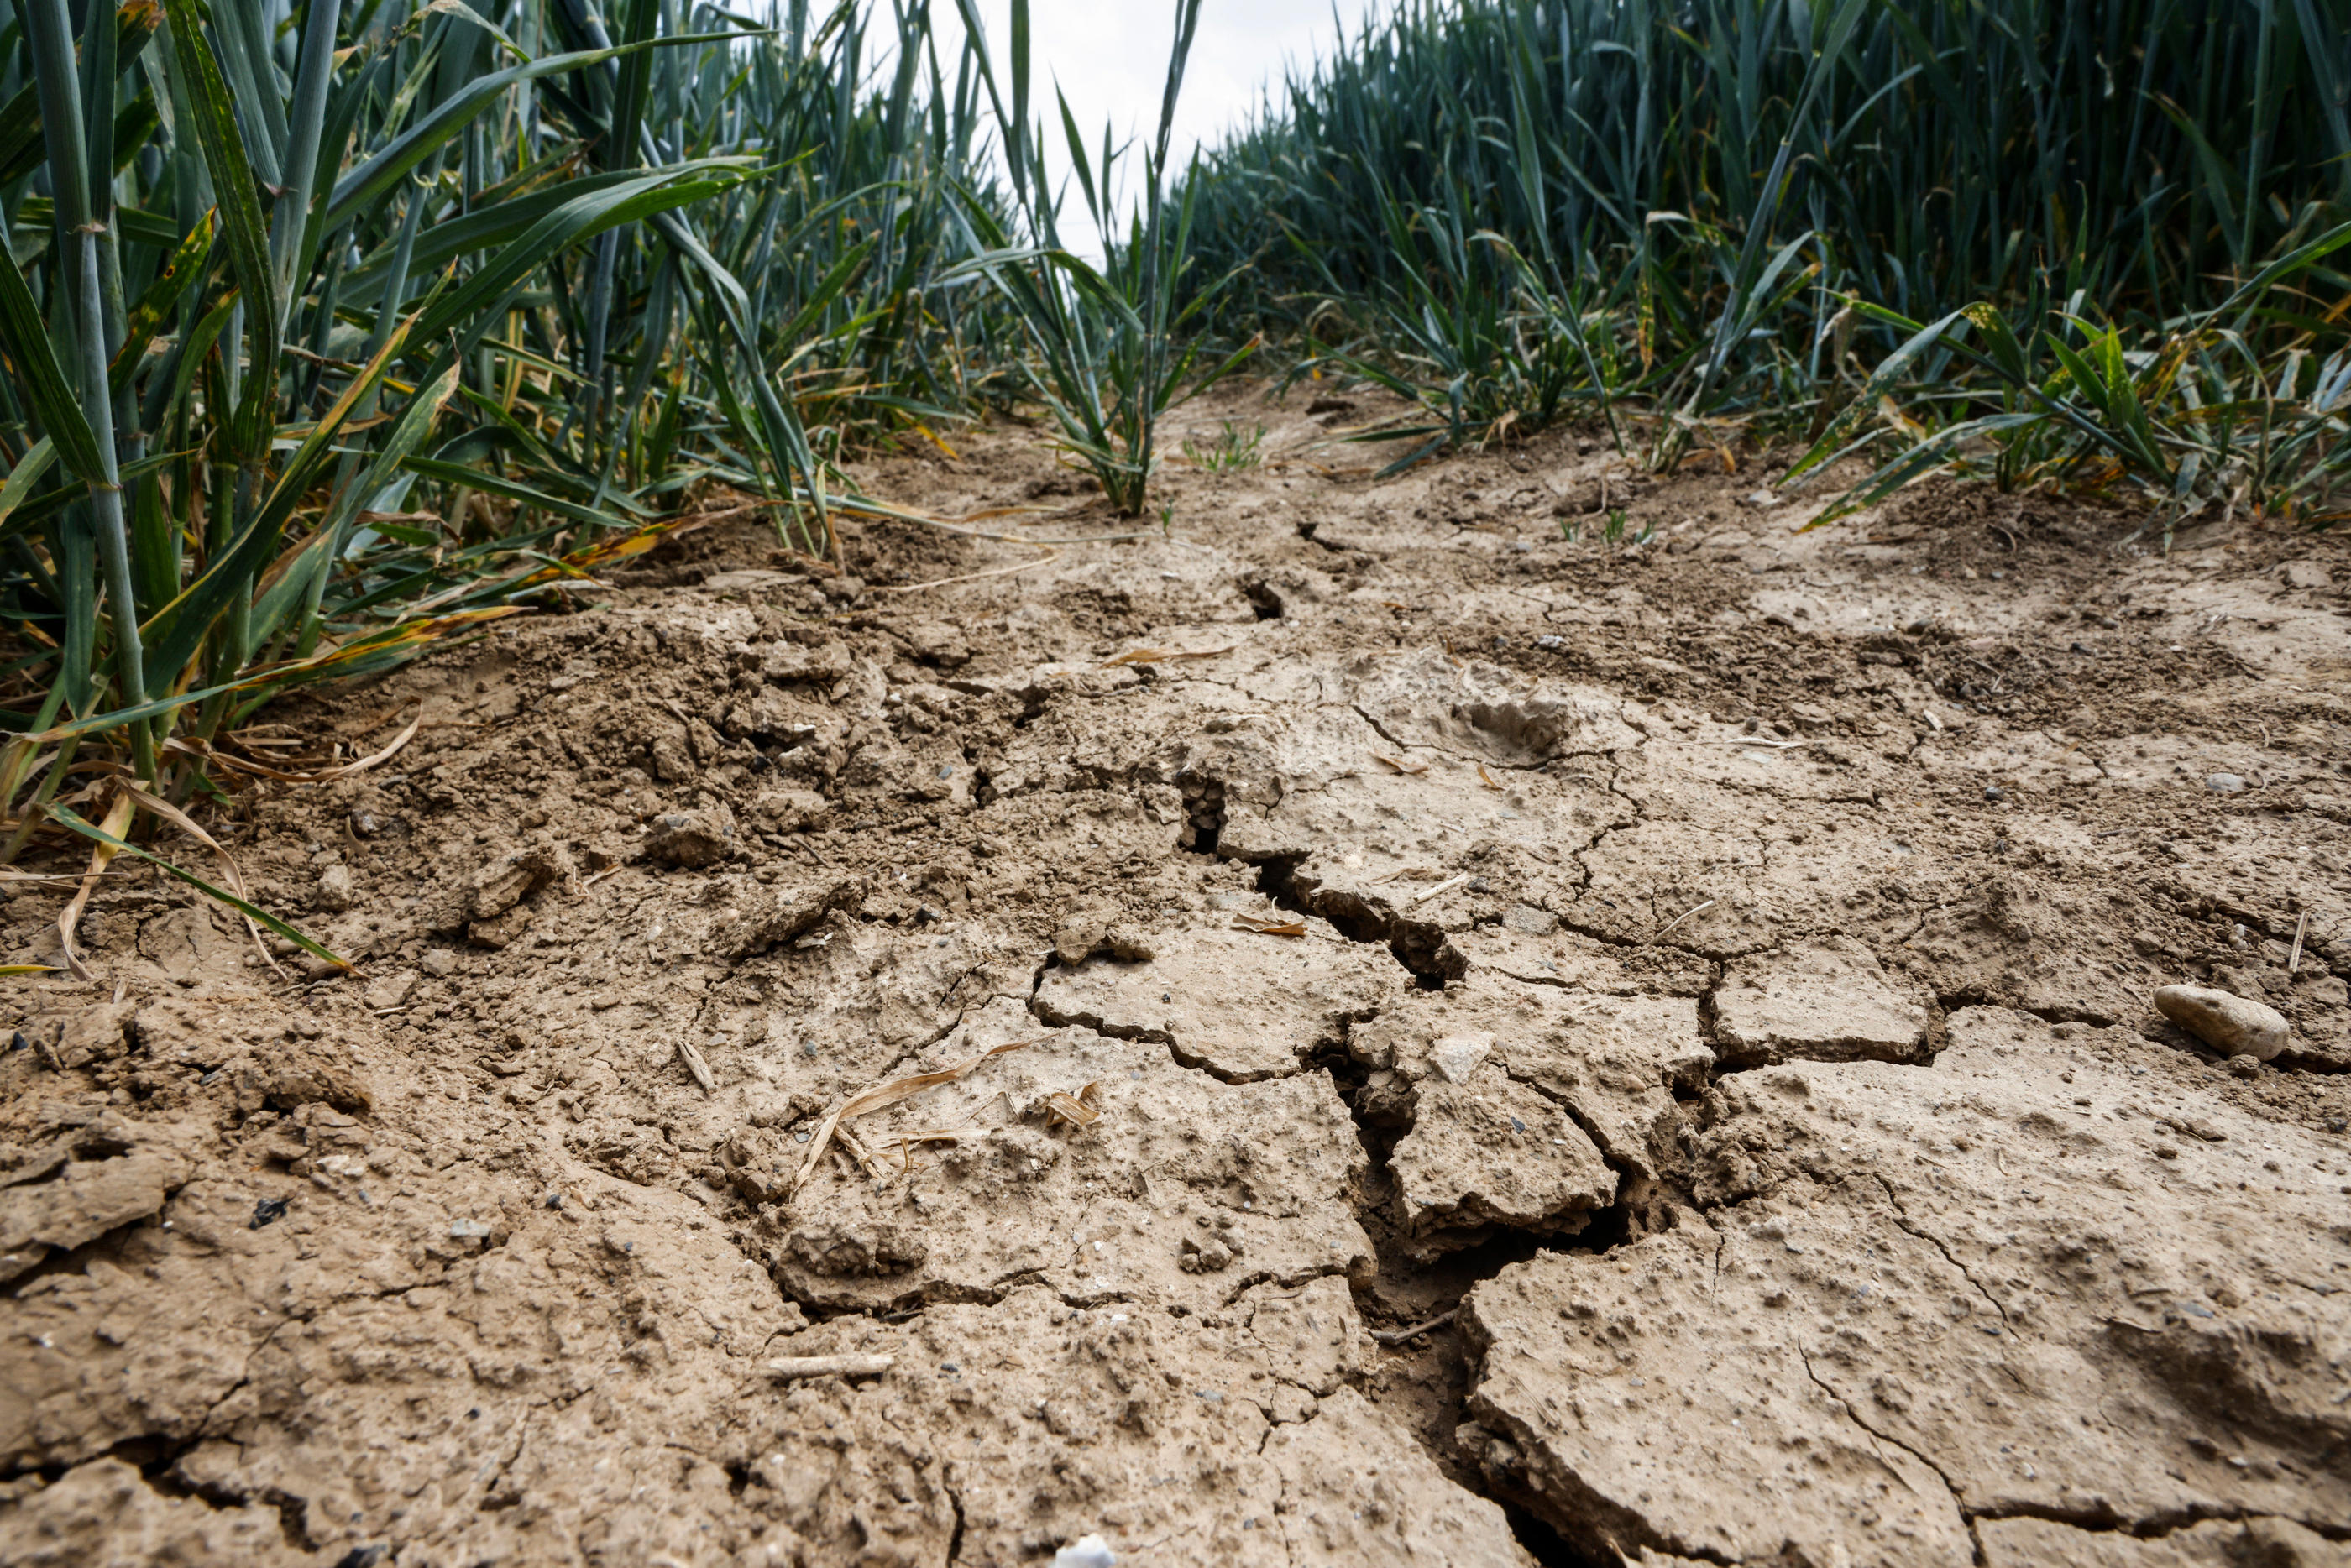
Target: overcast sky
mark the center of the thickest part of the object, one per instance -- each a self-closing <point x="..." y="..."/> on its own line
<point x="1110" y="58"/>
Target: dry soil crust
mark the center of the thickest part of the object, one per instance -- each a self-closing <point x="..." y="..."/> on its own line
<point x="1711" y="975"/>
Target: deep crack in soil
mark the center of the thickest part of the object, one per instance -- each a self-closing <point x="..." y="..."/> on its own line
<point x="1691" y="1000"/>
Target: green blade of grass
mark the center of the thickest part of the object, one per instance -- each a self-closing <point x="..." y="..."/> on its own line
<point x="66" y="816"/>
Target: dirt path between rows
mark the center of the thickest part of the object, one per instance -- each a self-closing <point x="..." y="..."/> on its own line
<point x="1709" y="977"/>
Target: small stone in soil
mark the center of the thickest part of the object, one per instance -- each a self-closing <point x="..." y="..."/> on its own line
<point x="1530" y="921"/>
<point x="1456" y="1056"/>
<point x="2227" y="1023"/>
<point x="337" y="888"/>
<point x="391" y="991"/>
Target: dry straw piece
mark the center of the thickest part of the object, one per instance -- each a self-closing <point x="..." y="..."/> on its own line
<point x="910" y="1141"/>
<point x="1685" y="915"/>
<point x="1079" y="1110"/>
<point x="1439" y="891"/>
<point x="204" y="751"/>
<point x="790" y="1367"/>
<point x="1398" y="1335"/>
<point x="890" y="1094"/>
<point x="1164" y="655"/>
<point x="117" y="820"/>
<point x="1268" y="928"/>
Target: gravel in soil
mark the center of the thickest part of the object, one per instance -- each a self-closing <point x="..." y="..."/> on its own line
<point x="1528" y="1050"/>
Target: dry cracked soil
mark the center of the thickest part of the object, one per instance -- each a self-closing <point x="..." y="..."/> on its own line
<point x="1522" y="1048"/>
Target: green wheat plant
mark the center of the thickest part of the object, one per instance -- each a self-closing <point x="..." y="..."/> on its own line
<point x="1234" y="447"/>
<point x="1525" y="211"/>
<point x="335" y="328"/>
<point x="199" y="430"/>
<point x="1108" y="349"/>
<point x="2200" y="418"/>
